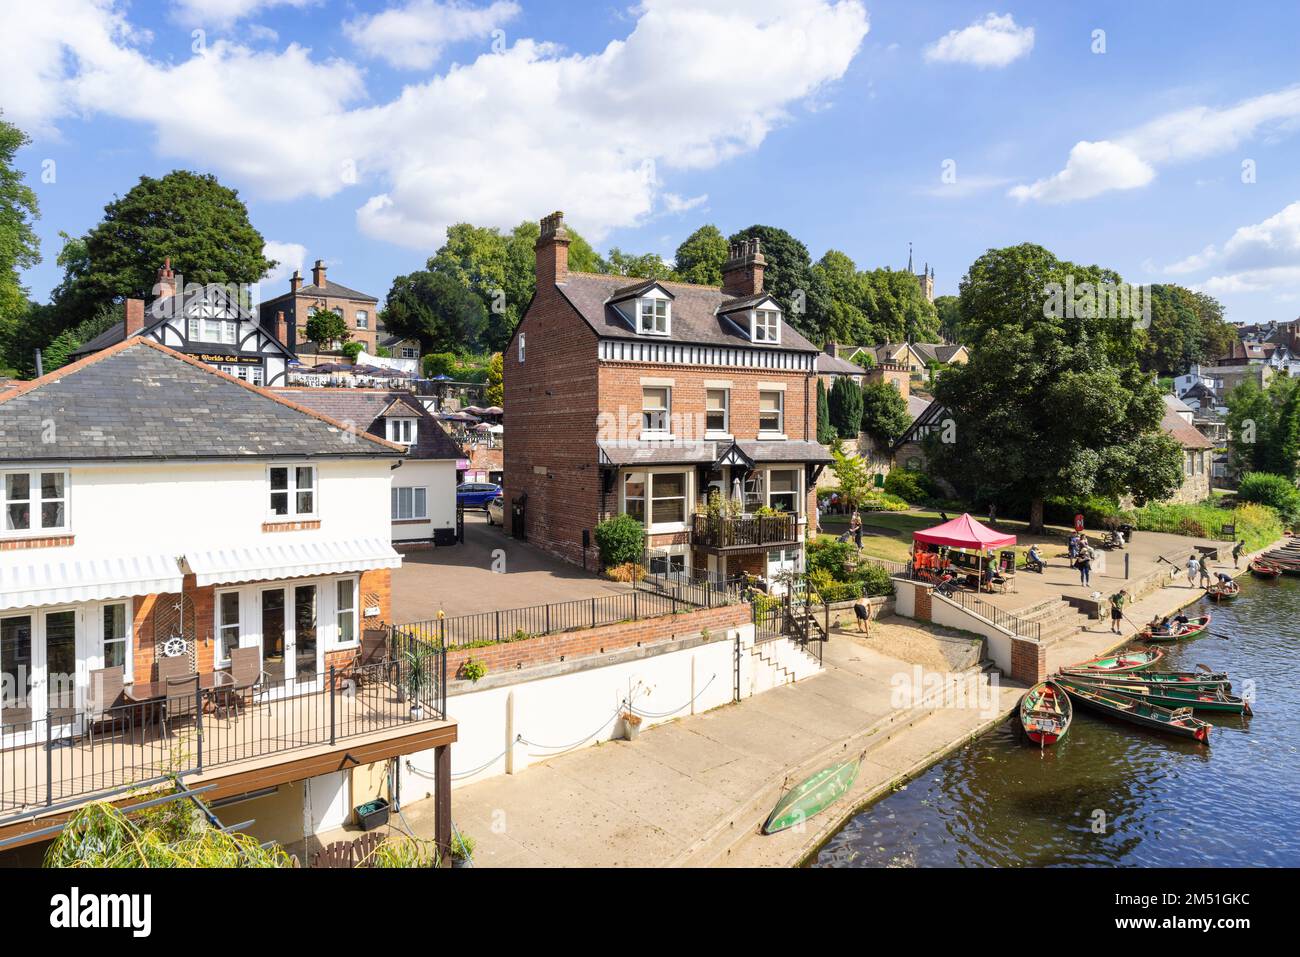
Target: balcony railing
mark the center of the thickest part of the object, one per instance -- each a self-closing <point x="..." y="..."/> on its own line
<point x="715" y="531"/>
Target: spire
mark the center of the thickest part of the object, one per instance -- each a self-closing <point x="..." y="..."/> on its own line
<point x="909" y="257"/>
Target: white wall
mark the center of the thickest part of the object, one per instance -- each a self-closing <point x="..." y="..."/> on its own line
<point x="951" y="615"/>
<point x="439" y="478"/>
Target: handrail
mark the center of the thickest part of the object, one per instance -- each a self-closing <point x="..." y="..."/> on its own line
<point x="997" y="616"/>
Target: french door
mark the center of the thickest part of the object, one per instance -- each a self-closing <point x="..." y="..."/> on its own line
<point x="41" y="673"/>
<point x="292" y="656"/>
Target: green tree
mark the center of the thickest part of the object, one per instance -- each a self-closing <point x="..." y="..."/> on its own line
<point x="325" y="328"/>
<point x="700" y="257"/>
<point x="788" y="276"/>
<point x="1265" y="426"/>
<point x="846" y="407"/>
<point x="495" y="393"/>
<point x="851" y="472"/>
<point x="1053" y="401"/>
<point x="1186" y="327"/>
<point x="948" y="309"/>
<point x="884" y="412"/>
<point x="825" y="431"/>
<point x="436" y="309"/>
<point x="56" y="354"/>
<point x="896" y="309"/>
<point x="19" y="245"/>
<point x="645" y="266"/>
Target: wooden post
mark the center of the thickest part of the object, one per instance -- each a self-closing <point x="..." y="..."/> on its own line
<point x="442" y="802"/>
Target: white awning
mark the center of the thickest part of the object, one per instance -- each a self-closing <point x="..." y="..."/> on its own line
<point x="24" y="582"/>
<point x="291" y="560"/>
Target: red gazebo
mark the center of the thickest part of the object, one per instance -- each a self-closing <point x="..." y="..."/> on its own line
<point x="961" y="532"/>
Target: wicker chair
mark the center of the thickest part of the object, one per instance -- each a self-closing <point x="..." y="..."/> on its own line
<point x="182" y="699"/>
<point x="105" y="689"/>
<point x="246" y="674"/>
<point x="371" y="658"/>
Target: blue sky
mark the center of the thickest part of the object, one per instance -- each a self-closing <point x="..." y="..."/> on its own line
<point x="356" y="131"/>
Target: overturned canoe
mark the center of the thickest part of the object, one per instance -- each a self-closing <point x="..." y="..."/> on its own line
<point x="1170" y="696"/>
<point x="1045" y="713"/>
<point x="1121" y="662"/>
<point x="1192" y="628"/>
<point x="1125" y="707"/>
<point x="812" y="795"/>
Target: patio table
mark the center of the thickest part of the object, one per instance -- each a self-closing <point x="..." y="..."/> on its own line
<point x="142" y="692"/>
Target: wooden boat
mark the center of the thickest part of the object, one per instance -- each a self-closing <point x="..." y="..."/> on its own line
<point x="1045" y="713"/>
<point x="1193" y="628"/>
<point x="1262" y="569"/>
<point x="1125" y="707"/>
<point x="1121" y="662"/>
<point x="1171" y="696"/>
<point x="1187" y="680"/>
<point x="811" y="795"/>
<point x="1224" y="591"/>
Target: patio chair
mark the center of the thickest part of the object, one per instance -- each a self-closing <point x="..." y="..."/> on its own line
<point x="177" y="667"/>
<point x="182" y="700"/>
<point x="246" y="675"/>
<point x="105" y="689"/>
<point x="370" y="659"/>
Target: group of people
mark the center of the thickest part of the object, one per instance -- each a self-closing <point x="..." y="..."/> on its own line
<point x="1165" y="625"/>
<point x="1081" y="557"/>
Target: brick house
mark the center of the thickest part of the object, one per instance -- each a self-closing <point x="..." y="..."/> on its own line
<point x="357" y="309"/>
<point x="643" y="397"/>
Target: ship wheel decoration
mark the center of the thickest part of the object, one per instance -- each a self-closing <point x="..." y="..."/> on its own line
<point x="174" y="627"/>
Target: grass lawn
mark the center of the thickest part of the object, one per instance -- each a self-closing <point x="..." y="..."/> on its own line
<point x="888" y="535"/>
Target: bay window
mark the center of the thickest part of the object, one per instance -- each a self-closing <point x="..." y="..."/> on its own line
<point x="634" y="495"/>
<point x="783" y="490"/>
<point x="35" y="501"/>
<point x="668" y="498"/>
<point x="293" y="490"/>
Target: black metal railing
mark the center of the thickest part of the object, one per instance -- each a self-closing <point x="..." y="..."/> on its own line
<point x="70" y="756"/>
<point x="715" y="531"/>
<point x="990" y="612"/>
<point x="650" y="598"/>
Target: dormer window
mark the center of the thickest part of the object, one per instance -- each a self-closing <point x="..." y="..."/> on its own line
<point x="767" y="326"/>
<point x="653" y="316"/>
<point x="402" y="431"/>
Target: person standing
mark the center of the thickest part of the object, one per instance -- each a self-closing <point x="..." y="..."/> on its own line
<point x="1193" y="570"/>
<point x="1206" y="580"/>
<point x="1117" y="609"/>
<point x="1236" y="553"/>
<point x="855" y="526"/>
<point x="1085" y="565"/>
<point x="862" y="612"/>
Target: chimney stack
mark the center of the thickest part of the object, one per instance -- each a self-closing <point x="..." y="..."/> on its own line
<point x="318" y="273"/>
<point x="166" y="285"/>
<point x="281" y="331"/>
<point x="295" y="282"/>
<point x="134" y="309"/>
<point x="742" y="273"/>
<point x="552" y="252"/>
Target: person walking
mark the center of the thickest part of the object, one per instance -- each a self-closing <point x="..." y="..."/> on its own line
<point x="1236" y="553"/>
<point x="1206" y="580"/>
<point x="1193" y="570"/>
<point x="1117" y="601"/>
<point x="862" y="612"/>
<point x="855" y="526"/>
<point x="1074" y="546"/>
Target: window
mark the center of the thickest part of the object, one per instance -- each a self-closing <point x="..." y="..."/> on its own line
<point x="771" y="417"/>
<point x="755" y="489"/>
<point x="227" y="624"/>
<point x="346" y="611"/>
<point x="716" y="402"/>
<point x="255" y="375"/>
<point x="36" y="501"/>
<point x="668" y="563"/>
<point x="783" y="490"/>
<point x="117" y="637"/>
<point x="668" y="501"/>
<point x="363" y="320"/>
<point x="634" y="495"/>
<point x="521" y="348"/>
<point x="410" y="353"/>
<point x="193" y="325"/>
<point x="402" y="430"/>
<point x="653" y="316"/>
<point x="654" y="408"/>
<point x="410" y="503"/>
<point x="767" y="326"/>
<point x="293" y="490"/>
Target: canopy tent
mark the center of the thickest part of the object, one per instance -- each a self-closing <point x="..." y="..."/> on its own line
<point x="963" y="532"/>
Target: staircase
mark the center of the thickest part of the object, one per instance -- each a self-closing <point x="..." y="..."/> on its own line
<point x="1057" y="618"/>
<point x="781" y="661"/>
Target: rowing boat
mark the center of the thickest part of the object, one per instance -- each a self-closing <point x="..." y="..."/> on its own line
<point x="1179" y="722"/>
<point x="1122" y="662"/>
<point x="1189" y="680"/>
<point x="1224" y="591"/>
<point x="1169" y="696"/>
<point x="1262" y="569"/>
<point x="811" y="795"/>
<point x="1045" y="713"/>
<point x="1193" y="628"/>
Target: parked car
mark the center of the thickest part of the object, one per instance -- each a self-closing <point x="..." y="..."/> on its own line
<point x="476" y="494"/>
<point x="496" y="510"/>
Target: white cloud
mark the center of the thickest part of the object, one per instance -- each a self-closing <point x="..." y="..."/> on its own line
<point x="681" y="204"/>
<point x="1193" y="263"/>
<point x="222" y="13"/>
<point x="508" y="136"/>
<point x="288" y="256"/>
<point x="414" y="35"/>
<point x="1259" y="257"/>
<point x="995" y="41"/>
<point x="1129" y="160"/>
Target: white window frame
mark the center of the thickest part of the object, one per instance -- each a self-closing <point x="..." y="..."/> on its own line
<point x="395" y="506"/>
<point x="725" y="431"/>
<point x="402" y="429"/>
<point x="648" y="308"/>
<point x="650" y="476"/>
<point x="218" y="626"/>
<point x="521" y="348"/>
<point x="291" y="489"/>
<point x="409" y="353"/>
<point x="643" y="498"/>
<point x="355" y="611"/>
<point x="363" y="320"/>
<point x="127" y="640"/>
<point x="779" y="431"/>
<point x="770" y="334"/>
<point x="667" y="412"/>
<point x="34" y="502"/>
<point x="797" y="492"/>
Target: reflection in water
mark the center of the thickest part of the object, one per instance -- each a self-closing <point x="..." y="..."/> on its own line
<point x="1114" y="794"/>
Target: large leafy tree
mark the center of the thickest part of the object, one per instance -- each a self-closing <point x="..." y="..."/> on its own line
<point x="19" y="245"/>
<point x="884" y="412"/>
<point x="1053" y="401"/>
<point x="644" y="266"/>
<point x="896" y="309"/>
<point x="789" y="277"/>
<point x="1265" y="427"/>
<point x="1185" y="327"/>
<point x="948" y="309"/>
<point x="700" y="257"/>
<point x="439" y="311"/>
<point x="325" y="327"/>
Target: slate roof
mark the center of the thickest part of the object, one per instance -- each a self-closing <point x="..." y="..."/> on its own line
<point x="141" y="401"/>
<point x="1182" y="431"/>
<point x="331" y="289"/>
<point x="936" y="351"/>
<point x="109" y="337"/>
<point x="790" y="450"/>
<point x="706" y="453"/>
<point x="366" y="410"/>
<point x="833" y="365"/>
<point x="694" y="314"/>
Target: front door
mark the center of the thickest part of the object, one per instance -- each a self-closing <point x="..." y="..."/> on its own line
<point x="39" y="674"/>
<point x="56" y="679"/>
<point x="291" y="651"/>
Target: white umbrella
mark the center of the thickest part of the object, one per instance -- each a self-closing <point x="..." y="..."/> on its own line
<point x="736" y="491"/>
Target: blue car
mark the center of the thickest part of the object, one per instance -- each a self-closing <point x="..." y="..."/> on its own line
<point x="476" y="494"/>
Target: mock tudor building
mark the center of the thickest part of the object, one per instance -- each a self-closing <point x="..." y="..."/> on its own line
<point x="211" y="323"/>
<point x="643" y="397"/>
<point x="358" y="310"/>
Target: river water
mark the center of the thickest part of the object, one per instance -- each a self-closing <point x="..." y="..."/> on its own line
<point x="1114" y="794"/>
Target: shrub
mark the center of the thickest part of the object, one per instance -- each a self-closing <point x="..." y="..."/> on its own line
<point x="831" y="557"/>
<point x="882" y="502"/>
<point x="621" y="540"/>
<point x="471" y="670"/>
<point x="1275" y="491"/>
<point x="1257" y="525"/>
<point x="352" y="350"/>
<point x="627" y="572"/>
<point x="909" y="484"/>
<point x="877" y="580"/>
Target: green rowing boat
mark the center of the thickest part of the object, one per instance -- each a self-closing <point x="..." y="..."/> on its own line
<point x="1189" y="680"/>
<point x="1193" y="628"/>
<point x="1128" y="708"/>
<point x="812" y="795"/>
<point x="1172" y="697"/>
<point x="1121" y="662"/>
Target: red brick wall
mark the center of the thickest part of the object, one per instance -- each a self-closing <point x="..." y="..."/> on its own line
<point x="1028" y="661"/>
<point x="922" y="602"/>
<point x="567" y="646"/>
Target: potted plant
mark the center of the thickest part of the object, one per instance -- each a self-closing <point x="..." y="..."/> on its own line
<point x="462" y="850"/>
<point x="417" y="676"/>
<point x="631" y="725"/>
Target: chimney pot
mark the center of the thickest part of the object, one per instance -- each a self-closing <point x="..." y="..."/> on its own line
<point x="166" y="285"/>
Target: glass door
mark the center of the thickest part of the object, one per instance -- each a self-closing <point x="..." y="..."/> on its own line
<point x="306" y="647"/>
<point x="291" y="650"/>
<point x="15" y="679"/>
<point x="59" y="679"/>
<point x="274" y="635"/>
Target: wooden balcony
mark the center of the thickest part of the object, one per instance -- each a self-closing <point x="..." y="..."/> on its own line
<point x="716" y="533"/>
